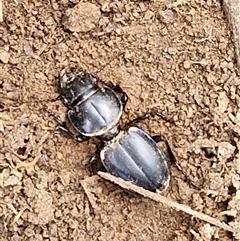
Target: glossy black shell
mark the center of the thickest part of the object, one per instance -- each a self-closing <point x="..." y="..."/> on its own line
<point x="92" y="110"/>
<point x="134" y="156"/>
<point x="97" y="114"/>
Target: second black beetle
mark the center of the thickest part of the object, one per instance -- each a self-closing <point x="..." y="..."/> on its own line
<point x="128" y="152"/>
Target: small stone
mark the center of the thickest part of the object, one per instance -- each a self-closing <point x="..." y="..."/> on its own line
<point x="187" y="64"/>
<point x="4" y="56"/>
<point x="1" y="127"/>
<point x="166" y="16"/>
<point x="172" y="50"/>
<point x="164" y="32"/>
<point x="148" y="15"/>
<point x="82" y="18"/>
<point x="105" y="7"/>
<point x="2" y="42"/>
<point x="223" y="102"/>
<point x="11" y="181"/>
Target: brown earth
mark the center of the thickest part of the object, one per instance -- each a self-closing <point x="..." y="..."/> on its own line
<point x="177" y="57"/>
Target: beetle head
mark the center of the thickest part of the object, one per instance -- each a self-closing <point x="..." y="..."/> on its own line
<point x="76" y="86"/>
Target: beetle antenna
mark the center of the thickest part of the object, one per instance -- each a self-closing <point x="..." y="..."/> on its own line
<point x="105" y="65"/>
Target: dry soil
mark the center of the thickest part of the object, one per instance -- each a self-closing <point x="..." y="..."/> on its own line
<point x="177" y="57"/>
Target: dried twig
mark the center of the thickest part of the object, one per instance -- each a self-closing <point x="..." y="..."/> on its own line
<point x="232" y="10"/>
<point x="1" y="13"/>
<point x="90" y="196"/>
<point x="17" y="216"/>
<point x="159" y="198"/>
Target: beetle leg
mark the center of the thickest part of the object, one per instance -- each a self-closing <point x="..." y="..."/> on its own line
<point x="136" y="120"/>
<point x="119" y="91"/>
<point x="146" y="116"/>
<point x="124" y="96"/>
<point x="160" y="138"/>
<point x="173" y="159"/>
<point x="81" y="138"/>
<point x="95" y="159"/>
<point x="63" y="127"/>
<point x="162" y="116"/>
<point x="124" y="99"/>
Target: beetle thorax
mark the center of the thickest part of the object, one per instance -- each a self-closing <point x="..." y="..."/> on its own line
<point x="111" y="135"/>
<point x="115" y="138"/>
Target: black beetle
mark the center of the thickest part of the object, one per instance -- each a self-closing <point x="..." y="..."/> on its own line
<point x="93" y="110"/>
<point x="134" y="156"/>
<point x="129" y="153"/>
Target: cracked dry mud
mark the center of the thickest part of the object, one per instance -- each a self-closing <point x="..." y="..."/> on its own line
<point x="177" y="57"/>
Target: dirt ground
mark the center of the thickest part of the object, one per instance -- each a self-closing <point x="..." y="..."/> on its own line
<point x="178" y="57"/>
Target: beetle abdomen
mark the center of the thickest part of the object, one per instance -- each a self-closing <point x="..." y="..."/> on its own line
<point x="136" y="157"/>
<point x="97" y="114"/>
